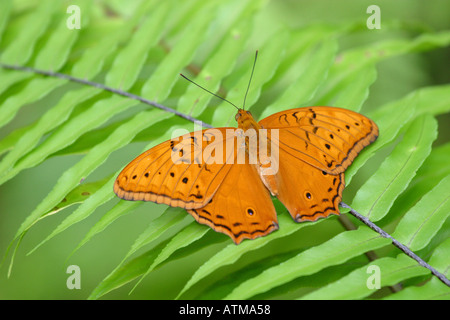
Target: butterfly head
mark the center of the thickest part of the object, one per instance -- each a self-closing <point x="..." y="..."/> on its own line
<point x="245" y="120"/>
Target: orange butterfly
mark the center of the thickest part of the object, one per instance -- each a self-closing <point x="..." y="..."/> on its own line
<point x="225" y="181"/>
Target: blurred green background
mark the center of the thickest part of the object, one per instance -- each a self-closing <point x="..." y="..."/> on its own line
<point x="42" y="275"/>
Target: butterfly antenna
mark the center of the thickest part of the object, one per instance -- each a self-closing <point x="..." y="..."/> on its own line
<point x="249" y="81"/>
<point x="208" y="91"/>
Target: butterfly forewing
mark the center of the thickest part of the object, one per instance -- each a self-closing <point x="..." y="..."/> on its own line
<point x="324" y="137"/>
<point x="177" y="172"/>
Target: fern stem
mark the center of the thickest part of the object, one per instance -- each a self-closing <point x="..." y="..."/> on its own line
<point x="371" y="255"/>
<point x="396" y="243"/>
<point x="103" y="87"/>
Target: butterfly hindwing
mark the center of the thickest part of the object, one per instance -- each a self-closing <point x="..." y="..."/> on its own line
<point x="241" y="208"/>
<point x="308" y="193"/>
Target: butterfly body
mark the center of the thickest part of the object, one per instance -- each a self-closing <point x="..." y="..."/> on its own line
<point x="224" y="177"/>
